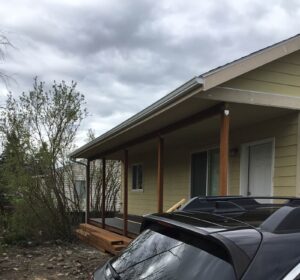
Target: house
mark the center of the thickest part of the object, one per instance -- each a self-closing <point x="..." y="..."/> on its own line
<point x="74" y="183"/>
<point x="234" y="130"/>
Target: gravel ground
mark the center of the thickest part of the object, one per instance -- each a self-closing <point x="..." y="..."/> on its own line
<point x="49" y="261"/>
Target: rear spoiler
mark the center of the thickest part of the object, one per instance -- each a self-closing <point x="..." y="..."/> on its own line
<point x="238" y="258"/>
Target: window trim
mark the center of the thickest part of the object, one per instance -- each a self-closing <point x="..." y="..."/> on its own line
<point x="293" y="273"/>
<point x="142" y="166"/>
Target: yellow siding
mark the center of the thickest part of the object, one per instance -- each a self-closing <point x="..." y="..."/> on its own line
<point x="177" y="164"/>
<point x="143" y="202"/>
<point x="285" y="161"/>
<point x="281" y="76"/>
<point x="284" y="191"/>
<point x="176" y="180"/>
<point x="177" y="176"/>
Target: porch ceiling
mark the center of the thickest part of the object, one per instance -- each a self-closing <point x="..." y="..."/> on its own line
<point x="206" y="133"/>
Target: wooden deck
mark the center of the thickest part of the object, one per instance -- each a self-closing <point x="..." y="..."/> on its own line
<point x="116" y="225"/>
<point x="102" y="239"/>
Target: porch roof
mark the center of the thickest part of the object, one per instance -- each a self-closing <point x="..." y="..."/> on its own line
<point x="179" y="104"/>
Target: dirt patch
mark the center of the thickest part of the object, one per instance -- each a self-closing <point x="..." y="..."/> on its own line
<point x="50" y="261"/>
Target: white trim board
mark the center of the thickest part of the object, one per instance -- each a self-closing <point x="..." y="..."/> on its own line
<point x="252" y="97"/>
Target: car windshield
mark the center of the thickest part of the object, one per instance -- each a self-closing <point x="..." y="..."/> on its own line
<point x="154" y="255"/>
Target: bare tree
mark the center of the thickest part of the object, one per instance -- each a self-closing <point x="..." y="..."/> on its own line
<point x="113" y="183"/>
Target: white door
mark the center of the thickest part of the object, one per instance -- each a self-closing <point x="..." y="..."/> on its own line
<point x="258" y="169"/>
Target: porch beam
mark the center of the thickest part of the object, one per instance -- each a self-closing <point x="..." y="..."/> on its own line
<point x="200" y="116"/>
<point x="224" y="151"/>
<point x="125" y="195"/>
<point x="87" y="209"/>
<point x="160" y="175"/>
<point x="103" y="191"/>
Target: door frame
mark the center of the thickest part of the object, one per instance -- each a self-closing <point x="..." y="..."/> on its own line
<point x="244" y="163"/>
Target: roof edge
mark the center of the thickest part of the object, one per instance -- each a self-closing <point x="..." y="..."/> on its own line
<point x="250" y="62"/>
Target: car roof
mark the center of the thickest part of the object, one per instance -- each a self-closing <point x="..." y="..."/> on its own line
<point x="272" y="214"/>
<point x="212" y="222"/>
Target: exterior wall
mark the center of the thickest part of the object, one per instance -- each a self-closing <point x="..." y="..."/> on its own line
<point x="143" y="201"/>
<point x="176" y="180"/>
<point x="283" y="130"/>
<point x="278" y="77"/>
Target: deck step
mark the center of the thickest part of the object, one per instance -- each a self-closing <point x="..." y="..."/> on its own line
<point x="110" y="235"/>
<point x="102" y="239"/>
<point x="81" y="234"/>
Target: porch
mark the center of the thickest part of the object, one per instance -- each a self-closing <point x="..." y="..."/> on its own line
<point x="167" y="157"/>
<point x="116" y="224"/>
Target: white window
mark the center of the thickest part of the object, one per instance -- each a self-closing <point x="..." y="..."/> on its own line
<point x="137" y="177"/>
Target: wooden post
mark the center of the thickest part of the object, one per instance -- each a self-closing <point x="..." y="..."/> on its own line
<point x="103" y="191"/>
<point x="224" y="151"/>
<point x="87" y="210"/>
<point x="160" y="175"/>
<point x="125" y="195"/>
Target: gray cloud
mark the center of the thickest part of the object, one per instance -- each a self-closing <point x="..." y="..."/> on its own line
<point x="127" y="54"/>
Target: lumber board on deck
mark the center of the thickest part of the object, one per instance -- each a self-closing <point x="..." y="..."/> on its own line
<point x="102" y="239"/>
<point x="110" y="235"/>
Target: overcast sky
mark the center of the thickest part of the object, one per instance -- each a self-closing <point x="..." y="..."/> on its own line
<point x="125" y="54"/>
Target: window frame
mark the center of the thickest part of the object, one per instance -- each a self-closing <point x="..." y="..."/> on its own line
<point x="137" y="164"/>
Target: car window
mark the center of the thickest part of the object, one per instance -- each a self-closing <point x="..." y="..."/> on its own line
<point x="156" y="256"/>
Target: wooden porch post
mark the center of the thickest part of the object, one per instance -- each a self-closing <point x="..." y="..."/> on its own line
<point x="125" y="195"/>
<point x="160" y="175"/>
<point x="224" y="151"/>
<point x="103" y="191"/>
<point x="87" y="210"/>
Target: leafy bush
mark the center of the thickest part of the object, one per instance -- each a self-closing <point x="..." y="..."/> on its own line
<point x="39" y="129"/>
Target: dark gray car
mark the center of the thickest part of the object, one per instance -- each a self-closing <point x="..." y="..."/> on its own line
<point x="215" y="238"/>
